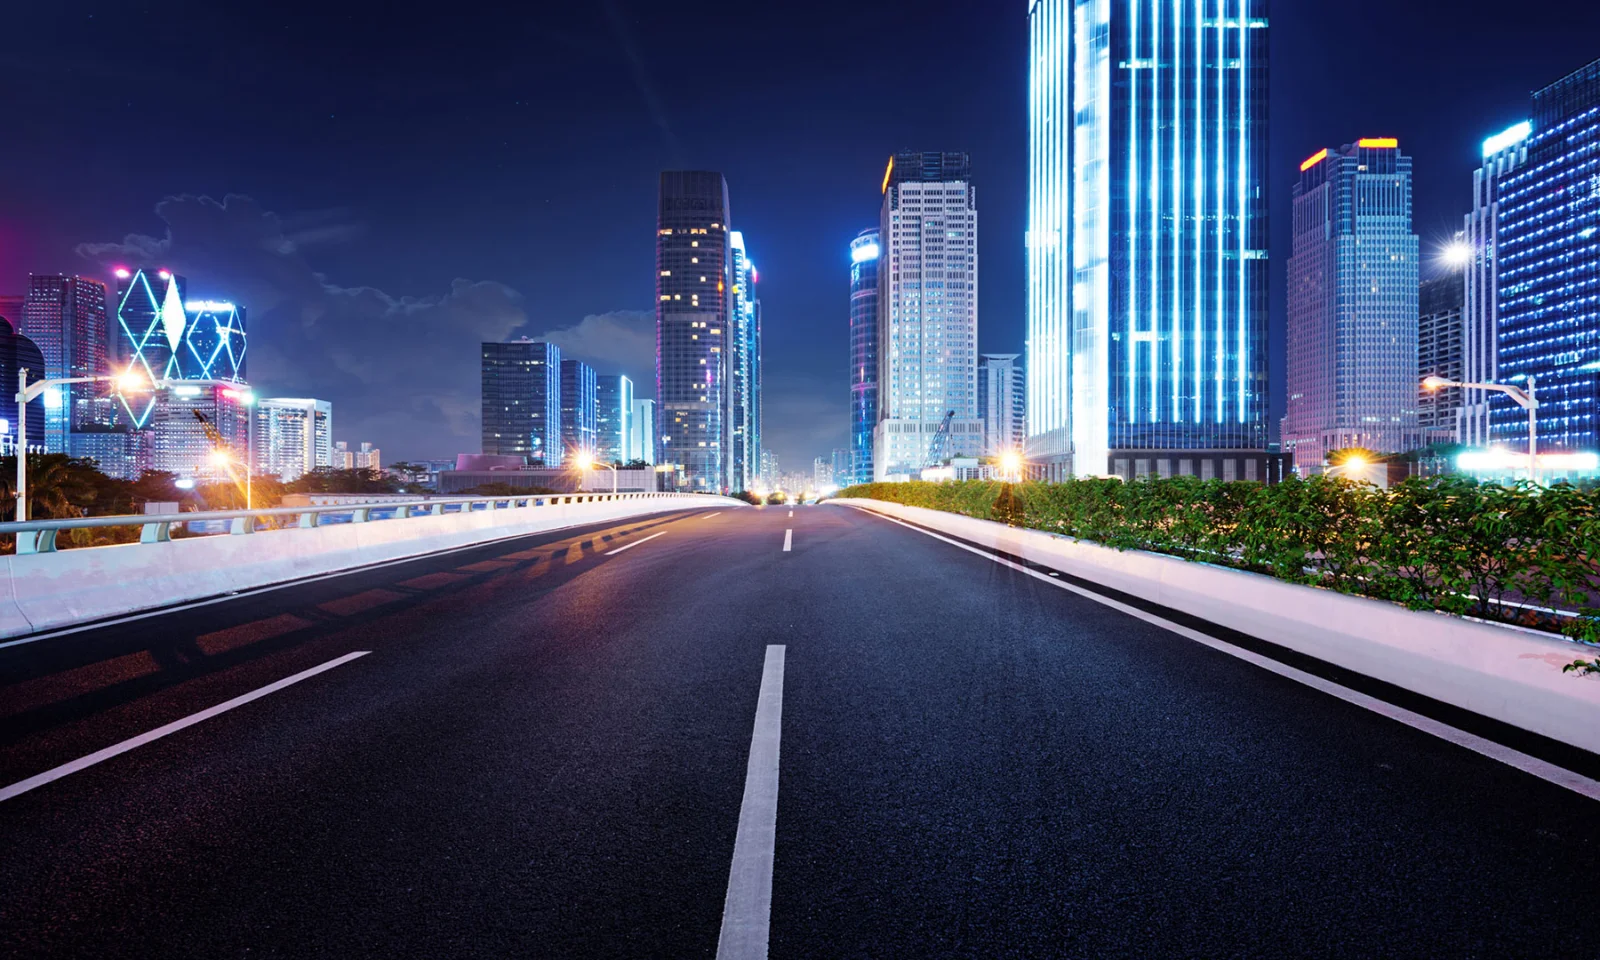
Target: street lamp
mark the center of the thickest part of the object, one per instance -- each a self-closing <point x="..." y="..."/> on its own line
<point x="1011" y="464"/>
<point x="127" y="382"/>
<point x="1526" y="399"/>
<point x="587" y="462"/>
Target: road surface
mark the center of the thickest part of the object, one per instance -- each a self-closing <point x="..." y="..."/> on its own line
<point x="552" y="747"/>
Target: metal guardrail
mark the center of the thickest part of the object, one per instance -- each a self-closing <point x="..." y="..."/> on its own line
<point x="39" y="536"/>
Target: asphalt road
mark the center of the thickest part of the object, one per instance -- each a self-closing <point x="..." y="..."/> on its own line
<point x="543" y="753"/>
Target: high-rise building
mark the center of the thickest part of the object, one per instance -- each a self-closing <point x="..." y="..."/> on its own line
<point x="644" y="430"/>
<point x="1147" y="308"/>
<point x="1353" y="287"/>
<point x="166" y="336"/>
<point x="927" y="313"/>
<point x="17" y="352"/>
<point x="179" y="440"/>
<point x="865" y="250"/>
<point x="367" y="457"/>
<point x="693" y="316"/>
<point x="769" y="470"/>
<point x="1480" y="310"/>
<point x="1439" y="354"/>
<point x="614" y="419"/>
<point x="821" y="473"/>
<point x="521" y="383"/>
<point x="1002" y="403"/>
<point x="579" y="409"/>
<point x="744" y="367"/>
<point x="1549" y="279"/>
<point x="292" y="436"/>
<point x="119" y="451"/>
<point x="66" y="317"/>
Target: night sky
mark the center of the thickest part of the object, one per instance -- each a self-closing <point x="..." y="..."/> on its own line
<point x="385" y="188"/>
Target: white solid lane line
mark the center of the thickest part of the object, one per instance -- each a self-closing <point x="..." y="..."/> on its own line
<point x="82" y="763"/>
<point x="1544" y="770"/>
<point x="710" y="515"/>
<point x="747" y="911"/>
<point x="788" y="540"/>
<point x="635" y="543"/>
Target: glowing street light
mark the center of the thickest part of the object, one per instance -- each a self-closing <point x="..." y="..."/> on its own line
<point x="1458" y="254"/>
<point x="1011" y="464"/>
<point x="1526" y="399"/>
<point x="587" y="462"/>
<point x="128" y="381"/>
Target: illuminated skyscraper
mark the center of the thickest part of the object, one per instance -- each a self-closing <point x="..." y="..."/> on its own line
<point x="292" y="437"/>
<point x="744" y="368"/>
<point x="865" y="251"/>
<point x="1549" y="279"/>
<point x="18" y="352"/>
<point x="927" y="312"/>
<point x="1001" y="404"/>
<point x="178" y="440"/>
<point x="644" y="430"/>
<point x="614" y="419"/>
<point x="1353" y="287"/>
<point x="66" y="318"/>
<point x="579" y="413"/>
<point x="164" y="336"/>
<point x="1480" y="311"/>
<point x="1147" y="238"/>
<point x="1439" y="344"/>
<point x="693" y="316"/>
<point x="521" y="383"/>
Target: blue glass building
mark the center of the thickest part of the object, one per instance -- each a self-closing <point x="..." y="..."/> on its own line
<point x="865" y="250"/>
<point x="614" y="426"/>
<point x="744" y="368"/>
<point x="522" y="400"/>
<point x="1147" y="237"/>
<point x="580" y="408"/>
<point x="1549" y="271"/>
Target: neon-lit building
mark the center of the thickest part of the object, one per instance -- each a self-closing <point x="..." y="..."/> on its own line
<point x="66" y="317"/>
<point x="179" y="441"/>
<point x="927" y="312"/>
<point x="644" y="430"/>
<point x="1480" y="308"/>
<point x="693" y="316"/>
<point x="16" y="353"/>
<point x="1147" y="306"/>
<point x="1353" y="289"/>
<point x="164" y="336"/>
<point x="579" y="409"/>
<point x="1001" y="403"/>
<point x="1549" y="272"/>
<point x="292" y="436"/>
<point x="521" y="400"/>
<point x="614" y="419"/>
<point x="744" y="368"/>
<point x="865" y="251"/>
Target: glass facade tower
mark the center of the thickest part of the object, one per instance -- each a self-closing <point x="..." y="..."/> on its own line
<point x="744" y="368"/>
<point x="1147" y="237"/>
<point x="865" y="251"/>
<point x="1549" y="276"/>
<point x="1353" y="292"/>
<point x="66" y="318"/>
<point x="693" y="314"/>
<point x="1001" y="403"/>
<point x="614" y="419"/>
<point x="522" y="400"/>
<point x="1480" y="308"/>
<point x="579" y="409"/>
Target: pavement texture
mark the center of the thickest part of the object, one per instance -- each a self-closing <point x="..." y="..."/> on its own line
<point x="544" y="753"/>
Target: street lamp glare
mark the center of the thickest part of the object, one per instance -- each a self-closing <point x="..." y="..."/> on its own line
<point x="220" y="458"/>
<point x="132" y="382"/>
<point x="1458" y="254"/>
<point x="1434" y="383"/>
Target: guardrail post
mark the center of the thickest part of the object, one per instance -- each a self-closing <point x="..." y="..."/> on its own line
<point x="402" y="512"/>
<point x="36" y="541"/>
<point x="158" y="532"/>
<point x="308" y="520"/>
<point x="436" y="509"/>
<point x="358" y="515"/>
<point x="242" y="525"/>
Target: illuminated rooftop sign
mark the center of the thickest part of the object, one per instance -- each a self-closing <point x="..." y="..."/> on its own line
<point x="1379" y="143"/>
<point x="1507" y="138"/>
<point x="1314" y="159"/>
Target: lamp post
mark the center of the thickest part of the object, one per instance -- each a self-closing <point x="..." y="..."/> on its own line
<point x="1526" y="399"/>
<point x="1011" y="465"/>
<point x="25" y="392"/>
<point x="587" y="462"/>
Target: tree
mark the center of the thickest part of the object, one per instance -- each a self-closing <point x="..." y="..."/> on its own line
<point x="59" y="486"/>
<point x="328" y="480"/>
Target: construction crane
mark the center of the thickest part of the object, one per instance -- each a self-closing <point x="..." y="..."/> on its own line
<point x="219" y="444"/>
<point x="940" y="447"/>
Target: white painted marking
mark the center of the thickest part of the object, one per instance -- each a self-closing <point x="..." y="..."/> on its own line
<point x="710" y="515"/>
<point x="82" y="763"/>
<point x="788" y="540"/>
<point x="747" y="911"/>
<point x="791" y="513"/>
<point x="1544" y="770"/>
<point x="635" y="543"/>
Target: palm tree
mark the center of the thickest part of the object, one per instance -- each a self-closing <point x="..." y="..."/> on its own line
<point x="59" y="486"/>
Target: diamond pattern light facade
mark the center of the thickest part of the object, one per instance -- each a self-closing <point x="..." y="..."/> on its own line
<point x="164" y="337"/>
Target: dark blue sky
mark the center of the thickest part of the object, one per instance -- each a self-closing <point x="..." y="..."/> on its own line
<point x="384" y="189"/>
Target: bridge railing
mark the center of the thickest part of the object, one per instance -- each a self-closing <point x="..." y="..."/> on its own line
<point x="39" y="536"/>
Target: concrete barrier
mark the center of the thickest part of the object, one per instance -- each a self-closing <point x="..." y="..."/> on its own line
<point x="46" y="591"/>
<point x="1501" y="672"/>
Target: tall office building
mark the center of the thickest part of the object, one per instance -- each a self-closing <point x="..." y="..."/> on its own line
<point x="744" y="368"/>
<point x="1439" y="354"/>
<point x="865" y="250"/>
<point x="927" y="312"/>
<point x="1147" y="308"/>
<point x="166" y="336"/>
<point x="16" y="353"/>
<point x="579" y="408"/>
<point x="693" y="315"/>
<point x="1480" y="310"/>
<point x="1002" y="403"/>
<point x="644" y="430"/>
<point x="522" y="400"/>
<point x="292" y="436"/>
<point x="1549" y="281"/>
<point x="365" y="457"/>
<point x="1352" y="337"/>
<point x="179" y="441"/>
<point x="66" y="317"/>
<point x="614" y="419"/>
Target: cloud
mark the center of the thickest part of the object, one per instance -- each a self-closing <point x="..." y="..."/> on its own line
<point x="400" y="371"/>
<point x="622" y="341"/>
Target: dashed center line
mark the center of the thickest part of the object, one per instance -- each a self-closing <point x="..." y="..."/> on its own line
<point x="788" y="540"/>
<point x="634" y="544"/>
<point x="710" y="515"/>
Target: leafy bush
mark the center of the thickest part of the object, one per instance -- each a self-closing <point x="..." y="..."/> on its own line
<point x="1510" y="554"/>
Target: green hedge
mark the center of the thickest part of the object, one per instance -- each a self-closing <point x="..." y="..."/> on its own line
<point x="1445" y="543"/>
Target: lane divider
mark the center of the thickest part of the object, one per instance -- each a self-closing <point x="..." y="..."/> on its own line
<point x="634" y="544"/>
<point x="788" y="540"/>
<point x="710" y="515"/>
<point x="83" y="763"/>
<point x="747" y="911"/>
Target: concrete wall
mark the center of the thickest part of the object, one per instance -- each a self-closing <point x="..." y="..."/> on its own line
<point x="1504" y="673"/>
<point x="45" y="591"/>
